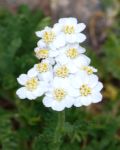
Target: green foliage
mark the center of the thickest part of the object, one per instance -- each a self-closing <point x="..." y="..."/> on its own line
<point x="17" y="42"/>
<point x="27" y="125"/>
<point x="111" y="49"/>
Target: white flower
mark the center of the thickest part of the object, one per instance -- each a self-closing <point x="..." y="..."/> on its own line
<point x="43" y="70"/>
<point x="41" y="53"/>
<point x="71" y="56"/>
<point x="86" y="89"/>
<point x="45" y="53"/>
<point x="88" y="69"/>
<point x="50" y="37"/>
<point x="61" y="70"/>
<point x="71" y="29"/>
<point x="32" y="87"/>
<point x="58" y="97"/>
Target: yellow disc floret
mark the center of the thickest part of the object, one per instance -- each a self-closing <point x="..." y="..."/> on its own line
<point x="59" y="94"/>
<point x="68" y="29"/>
<point x="62" y="71"/>
<point x="32" y="84"/>
<point x="42" y="67"/>
<point x="42" y="53"/>
<point x="48" y="37"/>
<point x="72" y="53"/>
<point x="88" y="69"/>
<point x="85" y="90"/>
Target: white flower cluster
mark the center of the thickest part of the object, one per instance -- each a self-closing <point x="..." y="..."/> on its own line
<point x="63" y="74"/>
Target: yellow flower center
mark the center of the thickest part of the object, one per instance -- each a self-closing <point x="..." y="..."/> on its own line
<point x="85" y="90"/>
<point x="72" y="53"/>
<point x="42" y="53"/>
<point x="42" y="67"/>
<point x="32" y="84"/>
<point x="68" y="29"/>
<point x="48" y="37"/>
<point x="88" y="69"/>
<point x="62" y="71"/>
<point x="59" y="94"/>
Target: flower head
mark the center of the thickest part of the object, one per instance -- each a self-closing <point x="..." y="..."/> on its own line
<point x="43" y="70"/>
<point x="32" y="87"/>
<point x="71" y="29"/>
<point x="61" y="71"/>
<point x="41" y="53"/>
<point x="88" y="69"/>
<point x="58" y="96"/>
<point x="51" y="37"/>
<point x="63" y="75"/>
<point x="71" y="56"/>
<point x="87" y="89"/>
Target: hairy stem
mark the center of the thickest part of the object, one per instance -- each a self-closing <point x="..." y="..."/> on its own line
<point x="59" y="130"/>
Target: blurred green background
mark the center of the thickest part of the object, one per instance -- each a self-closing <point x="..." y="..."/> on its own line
<point x="28" y="125"/>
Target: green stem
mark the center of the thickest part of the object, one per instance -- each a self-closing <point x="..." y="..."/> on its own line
<point x="59" y="130"/>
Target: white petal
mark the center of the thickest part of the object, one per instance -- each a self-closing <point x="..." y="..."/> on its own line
<point x="38" y="92"/>
<point x="94" y="69"/>
<point x="62" y="59"/>
<point x="71" y="38"/>
<point x="32" y="72"/>
<point x="82" y="60"/>
<point x="53" y="53"/>
<point x="81" y="38"/>
<point x="30" y="95"/>
<point x="82" y="78"/>
<point x="72" y="68"/>
<point x="98" y="87"/>
<point x="81" y="27"/>
<point x="41" y="44"/>
<point x="96" y="97"/>
<point x="69" y="20"/>
<point x="44" y="85"/>
<point x="49" y="94"/>
<point x="93" y="80"/>
<point x="38" y="33"/>
<point x="68" y="101"/>
<point x="52" y="61"/>
<point x="22" y="79"/>
<point x="47" y="101"/>
<point x="59" y="41"/>
<point x="73" y="92"/>
<point x="77" y="102"/>
<point x="36" y="49"/>
<point x="81" y="49"/>
<point x="61" y="82"/>
<point x="75" y="82"/>
<point x="58" y="106"/>
<point x="78" y="80"/>
<point x="46" y="76"/>
<point x="85" y="100"/>
<point x="57" y="27"/>
<point x="62" y="20"/>
<point x="21" y="92"/>
<point x="47" y="29"/>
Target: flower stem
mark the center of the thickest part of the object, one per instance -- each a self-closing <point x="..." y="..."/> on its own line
<point x="59" y="130"/>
